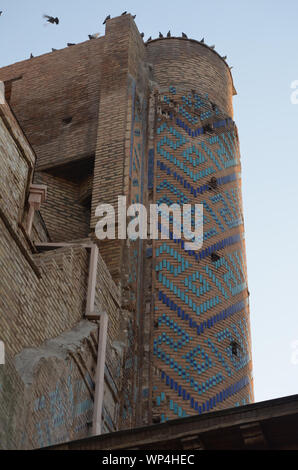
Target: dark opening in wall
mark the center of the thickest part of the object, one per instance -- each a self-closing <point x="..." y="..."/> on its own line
<point x="215" y="257"/>
<point x="235" y="348"/>
<point x="67" y="120"/>
<point x="213" y="183"/>
<point x="68" y="207"/>
<point x="208" y="129"/>
<point x="156" y="419"/>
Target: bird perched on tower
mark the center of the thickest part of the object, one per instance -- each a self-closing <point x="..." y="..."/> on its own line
<point x="51" y="19"/>
<point x="107" y="18"/>
<point x="169" y="34"/>
<point x="184" y="35"/>
<point x="160" y="35"/>
<point x="93" y="36"/>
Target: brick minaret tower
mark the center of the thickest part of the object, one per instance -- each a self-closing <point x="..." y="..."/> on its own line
<point x="175" y="141"/>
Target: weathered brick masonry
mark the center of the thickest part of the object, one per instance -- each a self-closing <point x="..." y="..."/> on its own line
<point x="151" y="121"/>
<point x="47" y="382"/>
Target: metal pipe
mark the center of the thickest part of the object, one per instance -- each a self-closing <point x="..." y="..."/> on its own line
<point x="92" y="280"/>
<point x="100" y="373"/>
<point x="102" y="341"/>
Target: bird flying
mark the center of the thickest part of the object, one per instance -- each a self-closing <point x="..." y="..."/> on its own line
<point x="51" y="19"/>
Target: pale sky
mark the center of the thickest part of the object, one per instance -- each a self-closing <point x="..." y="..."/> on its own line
<point x="260" y="38"/>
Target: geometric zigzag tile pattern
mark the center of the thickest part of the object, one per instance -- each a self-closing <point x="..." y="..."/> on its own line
<point x="201" y="341"/>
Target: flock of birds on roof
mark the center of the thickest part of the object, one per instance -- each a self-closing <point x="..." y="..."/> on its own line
<point x="55" y="20"/>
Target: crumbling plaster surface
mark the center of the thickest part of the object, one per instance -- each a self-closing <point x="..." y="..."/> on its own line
<point x="60" y="347"/>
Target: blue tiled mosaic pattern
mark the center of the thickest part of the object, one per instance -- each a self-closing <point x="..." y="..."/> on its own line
<point x="201" y="303"/>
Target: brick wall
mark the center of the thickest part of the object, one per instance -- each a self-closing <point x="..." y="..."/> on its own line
<point x="48" y="380"/>
<point x="54" y="87"/>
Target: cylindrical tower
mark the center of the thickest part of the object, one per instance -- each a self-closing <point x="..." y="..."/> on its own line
<point x="201" y="346"/>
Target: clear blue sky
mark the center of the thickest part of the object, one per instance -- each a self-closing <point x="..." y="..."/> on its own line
<point x="260" y="38"/>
